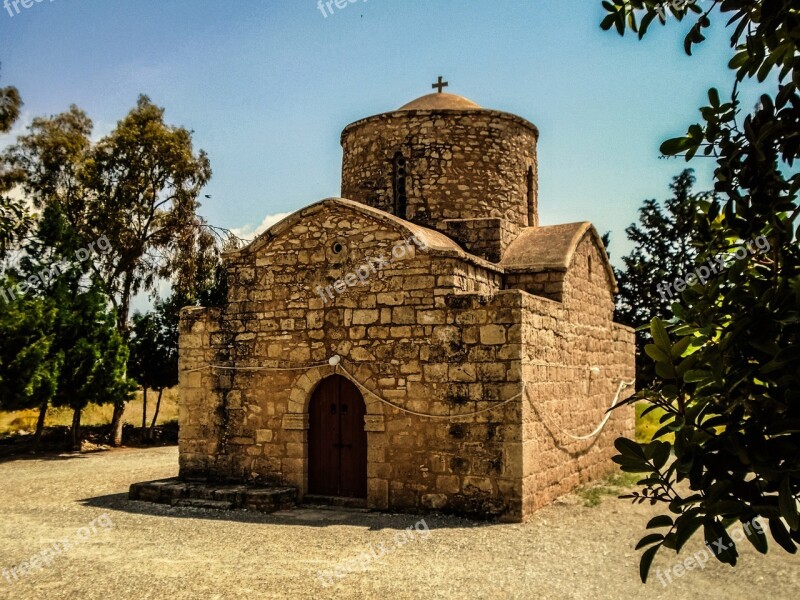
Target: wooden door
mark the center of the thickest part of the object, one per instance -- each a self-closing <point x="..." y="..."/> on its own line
<point x="337" y="442"/>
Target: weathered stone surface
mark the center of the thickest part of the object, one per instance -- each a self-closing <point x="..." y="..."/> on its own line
<point x="217" y="497"/>
<point x="497" y="338"/>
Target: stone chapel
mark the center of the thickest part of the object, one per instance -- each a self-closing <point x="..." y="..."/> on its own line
<point x="419" y="344"/>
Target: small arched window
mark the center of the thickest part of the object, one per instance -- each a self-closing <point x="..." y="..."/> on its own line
<point x="400" y="172"/>
<point x="531" y="203"/>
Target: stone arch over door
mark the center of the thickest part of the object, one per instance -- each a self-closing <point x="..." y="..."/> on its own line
<point x="296" y="426"/>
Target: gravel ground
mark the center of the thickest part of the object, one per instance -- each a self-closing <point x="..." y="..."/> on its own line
<point x="141" y="551"/>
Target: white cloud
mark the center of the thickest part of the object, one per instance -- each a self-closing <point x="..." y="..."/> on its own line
<point x="248" y="232"/>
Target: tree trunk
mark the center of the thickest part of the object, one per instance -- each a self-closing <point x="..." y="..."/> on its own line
<point x="116" y="423"/>
<point x="76" y="429"/>
<point x="37" y="438"/>
<point x="144" y="409"/>
<point x="155" y="416"/>
<point x="122" y="328"/>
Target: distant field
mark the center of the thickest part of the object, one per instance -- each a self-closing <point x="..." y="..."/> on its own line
<point x="25" y="420"/>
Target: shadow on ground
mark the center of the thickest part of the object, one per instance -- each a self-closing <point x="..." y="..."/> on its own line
<point x="303" y="515"/>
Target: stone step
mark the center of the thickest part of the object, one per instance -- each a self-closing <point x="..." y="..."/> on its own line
<point x="176" y="492"/>
<point x="211" y="504"/>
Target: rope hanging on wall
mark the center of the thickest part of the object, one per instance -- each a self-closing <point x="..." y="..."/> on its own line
<point x="336" y="363"/>
<point x="304" y="367"/>
<point x="598" y="429"/>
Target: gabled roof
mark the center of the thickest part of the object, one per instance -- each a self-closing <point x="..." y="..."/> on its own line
<point x="550" y="248"/>
<point x="436" y="242"/>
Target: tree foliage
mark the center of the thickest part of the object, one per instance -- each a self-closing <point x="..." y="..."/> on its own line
<point x="138" y="187"/>
<point x="728" y="362"/>
<point x="86" y="355"/>
<point x="664" y="248"/>
<point x="153" y="361"/>
<point x="28" y="374"/>
<point x="14" y="218"/>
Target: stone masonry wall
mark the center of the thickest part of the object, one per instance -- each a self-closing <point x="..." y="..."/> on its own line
<point x="423" y="333"/>
<point x="486" y="238"/>
<point x="430" y="332"/>
<point x="548" y="284"/>
<point x="199" y="416"/>
<point x="568" y="397"/>
<point x="460" y="165"/>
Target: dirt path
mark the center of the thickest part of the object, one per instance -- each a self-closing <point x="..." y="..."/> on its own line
<point x="141" y="551"/>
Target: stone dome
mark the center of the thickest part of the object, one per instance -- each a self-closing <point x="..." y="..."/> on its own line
<point x="443" y="160"/>
<point x="441" y="102"/>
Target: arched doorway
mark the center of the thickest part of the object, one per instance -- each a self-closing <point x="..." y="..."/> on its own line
<point x="337" y="442"/>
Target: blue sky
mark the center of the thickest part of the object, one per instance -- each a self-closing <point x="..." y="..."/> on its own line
<point x="268" y="85"/>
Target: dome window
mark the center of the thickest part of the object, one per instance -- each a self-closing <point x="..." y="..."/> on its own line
<point x="399" y="172"/>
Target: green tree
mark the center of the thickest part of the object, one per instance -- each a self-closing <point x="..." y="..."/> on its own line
<point x="138" y="187"/>
<point x="153" y="361"/>
<point x="92" y="353"/>
<point x="87" y="356"/>
<point x="27" y="377"/>
<point x="728" y="362"/>
<point x="28" y="368"/>
<point x="14" y="218"/>
<point x="664" y="249"/>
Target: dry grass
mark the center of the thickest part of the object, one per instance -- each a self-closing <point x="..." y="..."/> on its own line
<point x="25" y="420"/>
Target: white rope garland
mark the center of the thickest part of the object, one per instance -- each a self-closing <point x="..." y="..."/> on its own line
<point x="598" y="429"/>
<point x="304" y="367"/>
<point x="425" y="415"/>
<point x="622" y="386"/>
<point x="336" y="363"/>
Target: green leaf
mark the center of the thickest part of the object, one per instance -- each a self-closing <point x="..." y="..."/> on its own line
<point x="629" y="448"/>
<point x="661" y="454"/>
<point x="656" y="353"/>
<point x="676" y="146"/>
<point x="645" y="24"/>
<point x="696" y="375"/>
<point x="665" y="371"/>
<point x="608" y="22"/>
<point x="660" y="335"/>
<point x="680" y="347"/>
